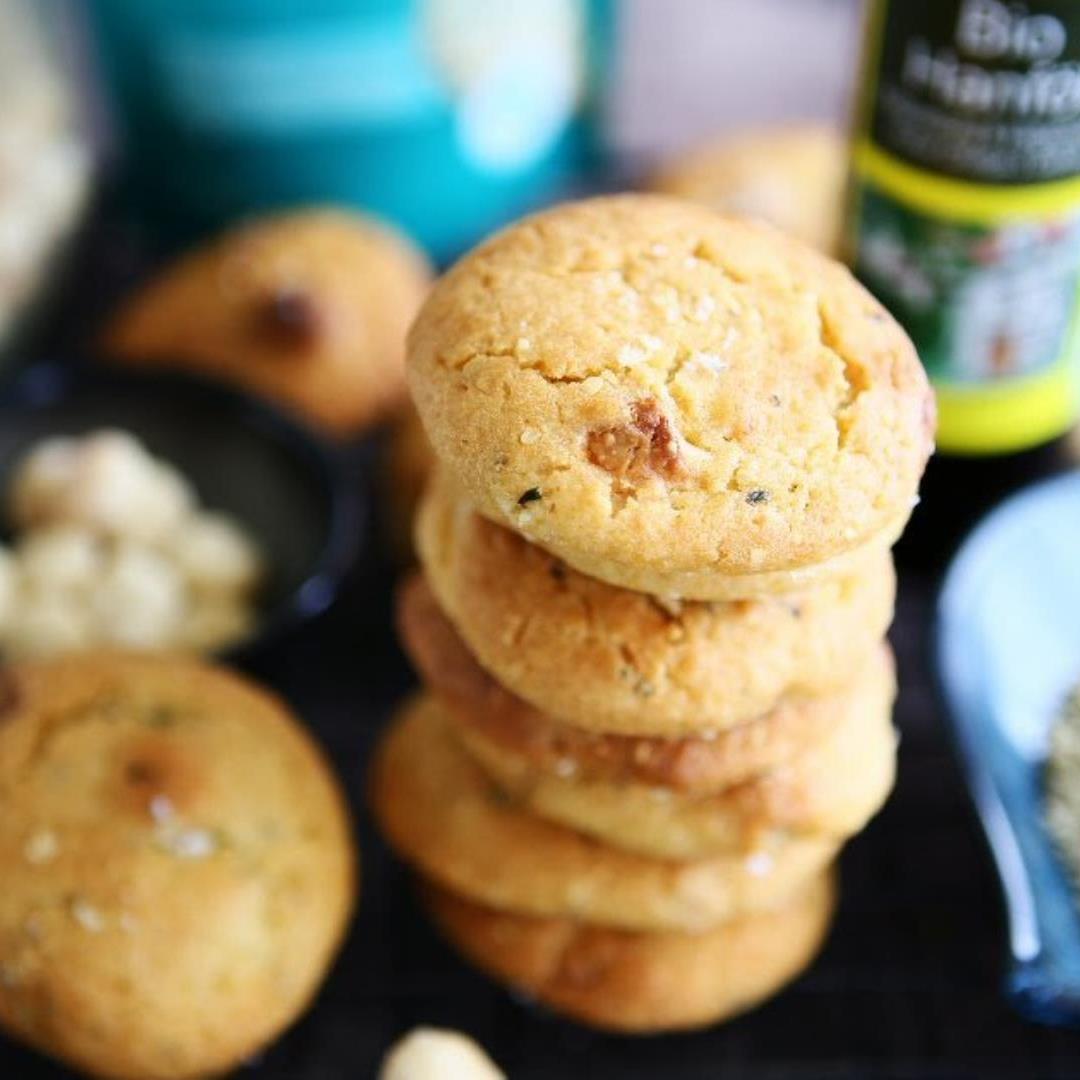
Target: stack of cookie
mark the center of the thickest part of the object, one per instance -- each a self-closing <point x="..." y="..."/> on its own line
<point x="675" y="449"/>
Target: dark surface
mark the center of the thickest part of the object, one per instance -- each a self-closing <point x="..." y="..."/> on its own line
<point x="908" y="985"/>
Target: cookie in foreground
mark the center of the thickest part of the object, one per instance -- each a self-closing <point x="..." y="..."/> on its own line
<point x="177" y="864"/>
<point x="482" y="708"/>
<point x="441" y="813"/>
<point x="630" y="664"/>
<point x="832" y="790"/>
<point x="641" y="983"/>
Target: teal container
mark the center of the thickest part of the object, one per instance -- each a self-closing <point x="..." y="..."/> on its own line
<point x="447" y="117"/>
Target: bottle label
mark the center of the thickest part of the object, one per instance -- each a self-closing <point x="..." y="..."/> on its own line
<point x="965" y="207"/>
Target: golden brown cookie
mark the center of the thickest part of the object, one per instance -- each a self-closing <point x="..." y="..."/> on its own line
<point x="309" y="308"/>
<point x="627" y="664"/>
<point x="176" y="862"/>
<point x="671" y="400"/>
<point x="638" y="983"/>
<point x="792" y="177"/>
<point x="474" y="701"/>
<point x="442" y="814"/>
<point x="407" y="462"/>
<point x="833" y="789"/>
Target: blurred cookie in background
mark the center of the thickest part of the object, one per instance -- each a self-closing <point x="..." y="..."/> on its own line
<point x="309" y="308"/>
<point x="177" y="865"/>
<point x="791" y="176"/>
<point x="110" y="547"/>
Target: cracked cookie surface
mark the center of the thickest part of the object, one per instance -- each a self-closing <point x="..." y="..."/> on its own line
<point x="176" y="861"/>
<point x="669" y="399"/>
<point x="627" y="663"/>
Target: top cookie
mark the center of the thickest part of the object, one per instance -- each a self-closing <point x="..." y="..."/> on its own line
<point x="309" y="308"/>
<point x="792" y="177"/>
<point x="667" y="398"/>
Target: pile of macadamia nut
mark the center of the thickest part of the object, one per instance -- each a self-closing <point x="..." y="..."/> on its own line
<point x="111" y="548"/>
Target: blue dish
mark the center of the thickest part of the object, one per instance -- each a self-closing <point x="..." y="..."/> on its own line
<point x="1008" y="654"/>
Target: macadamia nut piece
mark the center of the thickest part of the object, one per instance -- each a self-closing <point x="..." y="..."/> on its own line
<point x="105" y="482"/>
<point x="435" y="1054"/>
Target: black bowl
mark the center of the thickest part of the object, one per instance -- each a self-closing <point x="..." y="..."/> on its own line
<point x="244" y="457"/>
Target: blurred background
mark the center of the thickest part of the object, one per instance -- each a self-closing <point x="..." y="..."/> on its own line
<point x="146" y="150"/>
<point x="160" y="90"/>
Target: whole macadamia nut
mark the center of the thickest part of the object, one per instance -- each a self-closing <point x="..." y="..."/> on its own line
<point x="139" y="602"/>
<point x="214" y="554"/>
<point x="436" y="1054"/>
<point x="60" y="557"/>
<point x="106" y="482"/>
<point x="47" y="624"/>
<point x="112" y="548"/>
<point x="9" y="584"/>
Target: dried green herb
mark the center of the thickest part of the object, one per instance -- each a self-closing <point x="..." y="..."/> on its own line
<point x="532" y="495"/>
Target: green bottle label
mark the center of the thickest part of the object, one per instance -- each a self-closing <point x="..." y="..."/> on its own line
<point x="965" y="208"/>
